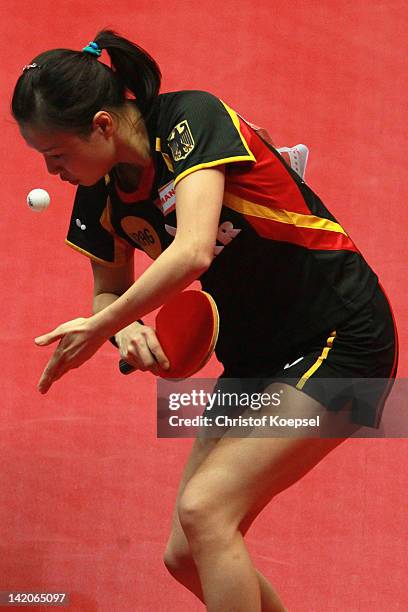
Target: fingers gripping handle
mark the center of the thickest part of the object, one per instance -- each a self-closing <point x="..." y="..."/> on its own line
<point x="124" y="366"/>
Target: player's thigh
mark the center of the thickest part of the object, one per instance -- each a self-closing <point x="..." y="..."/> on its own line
<point x="246" y="473"/>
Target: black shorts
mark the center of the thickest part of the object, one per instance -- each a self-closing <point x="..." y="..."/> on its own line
<point x="355" y="363"/>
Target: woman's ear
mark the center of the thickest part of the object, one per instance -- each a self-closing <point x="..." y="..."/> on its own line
<point x="104" y="123"/>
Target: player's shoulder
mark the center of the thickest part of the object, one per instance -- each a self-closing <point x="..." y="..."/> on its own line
<point x="93" y="193"/>
<point x="176" y="105"/>
<point x="90" y="201"/>
<point x="186" y="97"/>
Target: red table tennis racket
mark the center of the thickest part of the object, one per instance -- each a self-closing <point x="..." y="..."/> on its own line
<point x="187" y="329"/>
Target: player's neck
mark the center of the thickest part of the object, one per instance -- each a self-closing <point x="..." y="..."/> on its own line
<point x="128" y="176"/>
<point x="133" y="145"/>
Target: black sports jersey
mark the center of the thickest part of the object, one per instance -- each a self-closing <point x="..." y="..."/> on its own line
<point x="284" y="270"/>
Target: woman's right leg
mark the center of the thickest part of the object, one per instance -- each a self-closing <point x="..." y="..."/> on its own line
<point x="177" y="557"/>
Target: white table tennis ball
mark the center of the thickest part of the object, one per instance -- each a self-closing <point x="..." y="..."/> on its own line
<point x="38" y="200"/>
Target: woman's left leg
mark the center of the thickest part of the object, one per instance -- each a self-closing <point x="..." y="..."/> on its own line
<point x="232" y="485"/>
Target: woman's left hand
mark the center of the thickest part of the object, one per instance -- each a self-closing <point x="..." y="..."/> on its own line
<point x="79" y="340"/>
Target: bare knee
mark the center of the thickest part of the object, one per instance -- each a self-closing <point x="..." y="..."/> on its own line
<point x="203" y="519"/>
<point x="177" y="558"/>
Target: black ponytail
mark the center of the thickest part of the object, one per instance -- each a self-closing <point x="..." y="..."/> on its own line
<point x="63" y="89"/>
<point x="136" y="69"/>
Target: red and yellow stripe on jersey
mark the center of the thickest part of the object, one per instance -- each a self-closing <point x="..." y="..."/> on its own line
<point x="275" y="205"/>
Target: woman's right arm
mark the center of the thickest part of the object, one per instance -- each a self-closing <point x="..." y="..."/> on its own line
<point x="137" y="343"/>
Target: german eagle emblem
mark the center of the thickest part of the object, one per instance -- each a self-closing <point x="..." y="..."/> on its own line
<point x="181" y="141"/>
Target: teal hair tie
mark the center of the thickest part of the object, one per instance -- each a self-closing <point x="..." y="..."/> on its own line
<point x="93" y="48"/>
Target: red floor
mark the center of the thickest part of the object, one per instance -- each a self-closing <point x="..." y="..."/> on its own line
<point x="87" y="490"/>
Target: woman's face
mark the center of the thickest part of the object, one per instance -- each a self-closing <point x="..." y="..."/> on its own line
<point x="78" y="160"/>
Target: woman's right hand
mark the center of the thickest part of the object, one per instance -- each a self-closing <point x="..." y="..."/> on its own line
<point x="140" y="347"/>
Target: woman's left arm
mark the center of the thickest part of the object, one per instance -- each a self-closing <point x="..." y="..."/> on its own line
<point x="198" y="205"/>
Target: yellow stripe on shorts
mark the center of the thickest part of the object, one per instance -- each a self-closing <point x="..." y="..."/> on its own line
<point x="324" y="354"/>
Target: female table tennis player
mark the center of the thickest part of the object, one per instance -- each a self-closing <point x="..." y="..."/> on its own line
<point x="297" y="301"/>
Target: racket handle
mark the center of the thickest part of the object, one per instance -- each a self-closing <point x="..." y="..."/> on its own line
<point x="125" y="367"/>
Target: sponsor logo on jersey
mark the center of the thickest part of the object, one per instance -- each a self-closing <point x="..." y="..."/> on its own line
<point x="226" y="233"/>
<point x="143" y="235"/>
<point x="181" y="141"/>
<point x="167" y="198"/>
